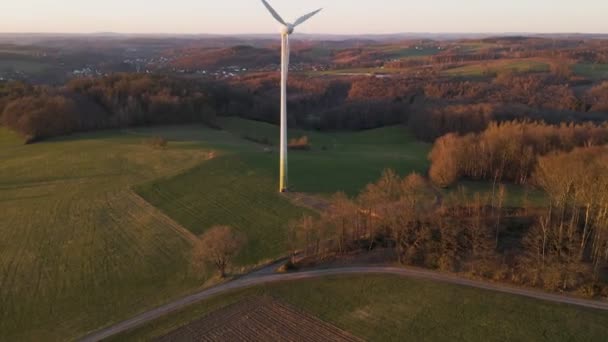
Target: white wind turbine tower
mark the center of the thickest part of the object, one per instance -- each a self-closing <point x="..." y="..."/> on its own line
<point x="286" y="30"/>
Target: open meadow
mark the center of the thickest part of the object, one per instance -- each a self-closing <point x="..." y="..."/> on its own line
<point x="97" y="227"/>
<point x="593" y="71"/>
<point x="492" y="67"/>
<point x="388" y="308"/>
<point x="80" y="249"/>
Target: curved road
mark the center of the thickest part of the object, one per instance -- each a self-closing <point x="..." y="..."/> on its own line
<point x="264" y="276"/>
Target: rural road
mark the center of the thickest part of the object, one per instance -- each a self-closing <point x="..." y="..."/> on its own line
<point x="265" y="275"/>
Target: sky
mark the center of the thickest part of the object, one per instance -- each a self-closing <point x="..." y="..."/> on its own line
<point x="338" y="17"/>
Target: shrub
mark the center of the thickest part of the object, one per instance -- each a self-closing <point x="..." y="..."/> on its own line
<point x="301" y="143"/>
<point x="158" y="143"/>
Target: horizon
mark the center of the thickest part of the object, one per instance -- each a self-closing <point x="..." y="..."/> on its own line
<point x="340" y="17"/>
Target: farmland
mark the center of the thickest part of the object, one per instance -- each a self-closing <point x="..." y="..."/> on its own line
<point x="493" y="67"/>
<point x="242" y="180"/>
<point x="382" y="308"/>
<point x="259" y="318"/>
<point x="97" y="227"/>
<point x="24" y="65"/>
<point x="99" y="253"/>
<point x="78" y="248"/>
<point x="593" y="71"/>
<point x="342" y="161"/>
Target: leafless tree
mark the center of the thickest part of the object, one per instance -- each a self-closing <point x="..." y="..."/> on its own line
<point x="218" y="246"/>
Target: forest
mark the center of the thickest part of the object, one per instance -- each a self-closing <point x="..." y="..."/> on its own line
<point x="432" y="107"/>
<point x="560" y="247"/>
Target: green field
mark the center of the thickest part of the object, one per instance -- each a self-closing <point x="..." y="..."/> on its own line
<point x="595" y="71"/>
<point x="483" y="69"/>
<point x="341" y="161"/>
<point x="98" y="227"/>
<point x="475" y="47"/>
<point x="238" y="188"/>
<point x="411" y="52"/>
<point x="357" y="72"/>
<point x="8" y="138"/>
<point x="387" y="308"/>
<point x="24" y="65"/>
<point x="229" y="190"/>
<point x="80" y="250"/>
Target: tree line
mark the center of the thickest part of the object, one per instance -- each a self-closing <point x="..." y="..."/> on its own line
<point x="433" y="106"/>
<point x="121" y="100"/>
<point x="562" y="247"/>
<point x="507" y="151"/>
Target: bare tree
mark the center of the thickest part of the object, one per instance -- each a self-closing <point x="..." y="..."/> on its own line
<point x="218" y="246"/>
<point x="502" y="192"/>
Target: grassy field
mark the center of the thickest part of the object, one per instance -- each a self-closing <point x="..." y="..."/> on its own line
<point x="8" y="138"/>
<point x="475" y="47"/>
<point x="357" y="72"/>
<point x="80" y="250"/>
<point x="229" y="190"/>
<point x="594" y="71"/>
<point x="387" y="308"/>
<point x="342" y="161"/>
<point x="23" y="65"/>
<point x="238" y="187"/>
<point x="481" y="69"/>
<point x="397" y="52"/>
<point x="97" y="227"/>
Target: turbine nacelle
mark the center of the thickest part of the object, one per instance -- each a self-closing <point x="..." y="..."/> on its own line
<point x="287" y="29"/>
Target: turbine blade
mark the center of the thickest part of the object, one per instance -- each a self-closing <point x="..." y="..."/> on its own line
<point x="303" y="18"/>
<point x="274" y="13"/>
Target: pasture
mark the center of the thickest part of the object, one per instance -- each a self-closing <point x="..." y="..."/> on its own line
<point x="396" y="51"/>
<point x="593" y="71"/>
<point x="80" y="249"/>
<point x="341" y="161"/>
<point x="24" y="65"/>
<point x="494" y="67"/>
<point x="389" y="308"/>
<point x="98" y="227"/>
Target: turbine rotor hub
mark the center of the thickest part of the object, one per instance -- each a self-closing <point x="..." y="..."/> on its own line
<point x="287" y="29"/>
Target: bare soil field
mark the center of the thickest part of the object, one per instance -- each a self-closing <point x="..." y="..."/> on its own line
<point x="258" y="319"/>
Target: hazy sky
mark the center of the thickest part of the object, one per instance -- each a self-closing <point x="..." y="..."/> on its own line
<point x="339" y="16"/>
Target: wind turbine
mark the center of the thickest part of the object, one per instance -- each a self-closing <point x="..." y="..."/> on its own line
<point x="286" y="30"/>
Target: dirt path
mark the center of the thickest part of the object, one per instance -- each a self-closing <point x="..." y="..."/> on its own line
<point x="264" y="276"/>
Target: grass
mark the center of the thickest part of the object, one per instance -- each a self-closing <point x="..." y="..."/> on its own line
<point x="389" y="308"/>
<point x="357" y="71"/>
<point x="475" y="47"/>
<point x="594" y="71"/>
<point x="342" y="161"/>
<point x="24" y="65"/>
<point x="9" y="138"/>
<point x="80" y="250"/>
<point x="398" y="52"/>
<point x="229" y="190"/>
<point x="493" y="67"/>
